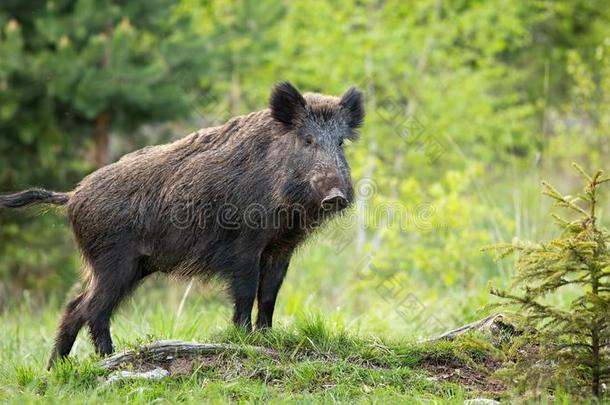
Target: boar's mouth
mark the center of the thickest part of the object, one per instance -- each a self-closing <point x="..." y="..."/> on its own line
<point x="334" y="201"/>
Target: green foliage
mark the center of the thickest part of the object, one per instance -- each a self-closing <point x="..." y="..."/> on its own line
<point x="64" y="67"/>
<point x="582" y="124"/>
<point x="570" y="342"/>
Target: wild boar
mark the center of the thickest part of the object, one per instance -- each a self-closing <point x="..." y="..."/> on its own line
<point x="233" y="201"/>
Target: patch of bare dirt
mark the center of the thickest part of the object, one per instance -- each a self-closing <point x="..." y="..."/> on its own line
<point x="476" y="378"/>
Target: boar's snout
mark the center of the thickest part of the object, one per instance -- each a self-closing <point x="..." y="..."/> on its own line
<point x="328" y="188"/>
<point x="334" y="201"/>
<point x="330" y="191"/>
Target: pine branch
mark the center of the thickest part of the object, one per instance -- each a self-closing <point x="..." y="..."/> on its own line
<point x="582" y="171"/>
<point x="551" y="192"/>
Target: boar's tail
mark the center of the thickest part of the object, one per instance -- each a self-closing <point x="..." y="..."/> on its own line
<point x="31" y="197"/>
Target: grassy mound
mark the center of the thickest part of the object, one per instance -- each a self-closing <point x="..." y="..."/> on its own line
<point x="306" y="363"/>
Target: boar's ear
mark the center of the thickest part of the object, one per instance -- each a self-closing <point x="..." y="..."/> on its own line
<point x="352" y="101"/>
<point x="286" y="104"/>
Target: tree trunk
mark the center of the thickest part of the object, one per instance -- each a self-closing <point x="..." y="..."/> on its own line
<point x="102" y="140"/>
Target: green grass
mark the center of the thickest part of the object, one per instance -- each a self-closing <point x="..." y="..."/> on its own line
<point x="326" y="358"/>
<point x="318" y="360"/>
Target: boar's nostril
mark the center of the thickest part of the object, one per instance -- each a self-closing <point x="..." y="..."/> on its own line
<point x="334" y="201"/>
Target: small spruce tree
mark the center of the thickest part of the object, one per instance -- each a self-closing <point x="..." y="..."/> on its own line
<point x="567" y="345"/>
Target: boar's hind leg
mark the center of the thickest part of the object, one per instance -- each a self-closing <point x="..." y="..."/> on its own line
<point x="272" y="272"/>
<point x="72" y="321"/>
<point x="114" y="280"/>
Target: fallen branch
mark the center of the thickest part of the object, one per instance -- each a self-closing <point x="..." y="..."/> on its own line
<point x="170" y="349"/>
<point x="494" y="324"/>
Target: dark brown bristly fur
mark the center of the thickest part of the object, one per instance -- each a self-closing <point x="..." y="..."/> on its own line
<point x="232" y="201"/>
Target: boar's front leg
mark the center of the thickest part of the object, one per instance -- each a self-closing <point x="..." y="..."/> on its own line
<point x="243" y="290"/>
<point x="272" y="272"/>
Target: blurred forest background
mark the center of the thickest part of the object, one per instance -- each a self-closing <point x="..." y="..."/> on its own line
<point x="470" y="103"/>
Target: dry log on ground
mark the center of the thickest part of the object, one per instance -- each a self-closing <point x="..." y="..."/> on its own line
<point x="495" y="325"/>
<point x="164" y="350"/>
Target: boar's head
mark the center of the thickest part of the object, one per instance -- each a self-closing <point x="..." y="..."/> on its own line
<point x="317" y="127"/>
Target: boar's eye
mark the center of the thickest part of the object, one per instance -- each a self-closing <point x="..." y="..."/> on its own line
<point x="308" y="140"/>
<point x="341" y="142"/>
